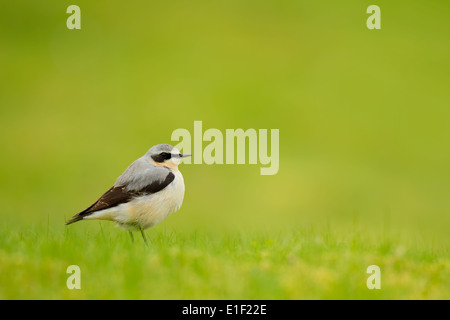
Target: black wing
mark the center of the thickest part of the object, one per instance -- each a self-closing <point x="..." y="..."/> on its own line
<point x="119" y="194"/>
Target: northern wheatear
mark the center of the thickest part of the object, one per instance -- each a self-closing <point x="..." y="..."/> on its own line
<point x="148" y="191"/>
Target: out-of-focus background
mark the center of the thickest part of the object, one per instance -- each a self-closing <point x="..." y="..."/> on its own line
<point x="363" y="114"/>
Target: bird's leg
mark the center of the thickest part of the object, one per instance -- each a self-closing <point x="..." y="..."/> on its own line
<point x="143" y="234"/>
<point x="131" y="236"/>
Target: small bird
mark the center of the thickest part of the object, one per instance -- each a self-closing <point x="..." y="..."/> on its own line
<point x="148" y="191"/>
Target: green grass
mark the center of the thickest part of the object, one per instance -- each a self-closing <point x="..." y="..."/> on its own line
<point x="303" y="264"/>
<point x="364" y="159"/>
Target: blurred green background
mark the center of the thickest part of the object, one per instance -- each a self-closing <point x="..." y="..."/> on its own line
<point x="363" y="114"/>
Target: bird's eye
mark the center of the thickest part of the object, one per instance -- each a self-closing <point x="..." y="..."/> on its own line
<point x="165" y="155"/>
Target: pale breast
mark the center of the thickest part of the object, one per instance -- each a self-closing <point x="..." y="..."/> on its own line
<point x="151" y="210"/>
<point x="148" y="210"/>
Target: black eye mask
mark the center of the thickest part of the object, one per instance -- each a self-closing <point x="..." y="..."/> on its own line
<point x="161" y="157"/>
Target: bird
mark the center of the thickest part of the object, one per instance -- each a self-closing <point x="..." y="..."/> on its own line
<point x="145" y="194"/>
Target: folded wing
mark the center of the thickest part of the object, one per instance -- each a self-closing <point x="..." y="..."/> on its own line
<point x="136" y="181"/>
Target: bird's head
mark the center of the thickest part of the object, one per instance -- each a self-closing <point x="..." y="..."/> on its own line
<point x="165" y="155"/>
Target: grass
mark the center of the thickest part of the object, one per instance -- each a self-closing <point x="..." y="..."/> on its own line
<point x="302" y="264"/>
<point x="363" y="118"/>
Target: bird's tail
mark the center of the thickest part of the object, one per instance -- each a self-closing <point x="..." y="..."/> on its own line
<point x="75" y="218"/>
<point x="80" y="215"/>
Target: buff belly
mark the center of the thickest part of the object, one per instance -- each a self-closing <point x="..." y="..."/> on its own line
<point x="146" y="211"/>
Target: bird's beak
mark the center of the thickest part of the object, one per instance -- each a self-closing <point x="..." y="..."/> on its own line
<point x="184" y="155"/>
